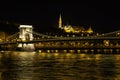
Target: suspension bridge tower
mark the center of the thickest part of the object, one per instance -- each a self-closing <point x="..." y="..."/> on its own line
<point x="25" y="34"/>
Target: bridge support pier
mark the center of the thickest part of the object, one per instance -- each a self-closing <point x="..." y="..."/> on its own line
<point x="26" y="47"/>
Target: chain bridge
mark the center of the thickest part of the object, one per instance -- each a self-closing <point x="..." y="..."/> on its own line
<point x="27" y="39"/>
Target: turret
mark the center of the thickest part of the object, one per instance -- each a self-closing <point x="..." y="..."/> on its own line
<point x="60" y="22"/>
<point x="90" y="30"/>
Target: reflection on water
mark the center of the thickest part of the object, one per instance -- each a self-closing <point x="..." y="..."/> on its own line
<point x="59" y="66"/>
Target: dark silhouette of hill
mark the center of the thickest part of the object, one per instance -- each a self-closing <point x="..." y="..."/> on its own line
<point x="8" y="27"/>
<point x="11" y="28"/>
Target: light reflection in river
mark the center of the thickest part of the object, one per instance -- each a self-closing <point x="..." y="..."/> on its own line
<point x="59" y="66"/>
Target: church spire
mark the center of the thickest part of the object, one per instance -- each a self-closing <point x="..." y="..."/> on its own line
<point x="60" y="22"/>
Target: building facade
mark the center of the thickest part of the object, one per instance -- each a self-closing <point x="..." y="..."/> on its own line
<point x="73" y="29"/>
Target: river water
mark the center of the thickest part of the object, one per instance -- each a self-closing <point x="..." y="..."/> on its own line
<point x="59" y="66"/>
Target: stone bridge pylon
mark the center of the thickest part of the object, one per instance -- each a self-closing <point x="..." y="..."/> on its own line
<point x="25" y="34"/>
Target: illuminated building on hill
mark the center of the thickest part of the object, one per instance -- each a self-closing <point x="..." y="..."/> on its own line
<point x="2" y="36"/>
<point x="73" y="29"/>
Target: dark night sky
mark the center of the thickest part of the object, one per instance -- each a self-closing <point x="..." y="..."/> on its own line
<point x="102" y="16"/>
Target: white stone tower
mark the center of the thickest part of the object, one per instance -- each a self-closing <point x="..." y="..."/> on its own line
<point x="60" y="22"/>
<point x="25" y="34"/>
